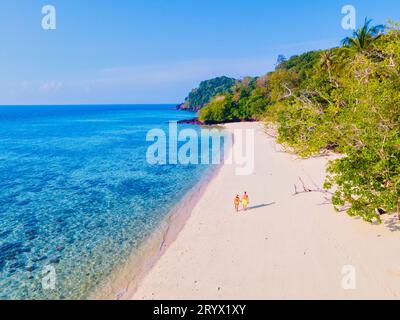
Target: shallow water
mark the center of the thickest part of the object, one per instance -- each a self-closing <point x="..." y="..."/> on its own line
<point x="77" y="194"/>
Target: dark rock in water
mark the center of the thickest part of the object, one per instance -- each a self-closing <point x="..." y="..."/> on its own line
<point x="62" y="225"/>
<point x="26" y="250"/>
<point x="2" y="264"/>
<point x="29" y="221"/>
<point x="194" y="121"/>
<point x="5" y="233"/>
<point x="101" y="225"/>
<point x="39" y="259"/>
<point x="23" y="203"/>
<point x="68" y="212"/>
<point x="17" y="265"/>
<point x="33" y="189"/>
<point x="89" y="226"/>
<point x="31" y="232"/>
<point x="132" y="187"/>
<point x="30" y="268"/>
<point x="9" y="251"/>
<point x="54" y="260"/>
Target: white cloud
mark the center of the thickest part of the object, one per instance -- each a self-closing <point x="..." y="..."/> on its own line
<point x="51" y="87"/>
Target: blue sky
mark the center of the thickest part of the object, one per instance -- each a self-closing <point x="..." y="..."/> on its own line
<point x="155" y="51"/>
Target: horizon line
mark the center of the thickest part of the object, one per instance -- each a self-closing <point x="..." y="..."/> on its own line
<point x="86" y="104"/>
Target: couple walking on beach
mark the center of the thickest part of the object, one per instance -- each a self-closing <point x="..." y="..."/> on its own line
<point x="244" y="201"/>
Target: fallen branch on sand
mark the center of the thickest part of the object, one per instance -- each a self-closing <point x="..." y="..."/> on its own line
<point x="309" y="190"/>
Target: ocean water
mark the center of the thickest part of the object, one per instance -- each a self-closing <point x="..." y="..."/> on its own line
<point x="77" y="194"/>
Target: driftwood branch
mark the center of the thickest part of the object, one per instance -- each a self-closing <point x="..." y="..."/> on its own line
<point x="306" y="189"/>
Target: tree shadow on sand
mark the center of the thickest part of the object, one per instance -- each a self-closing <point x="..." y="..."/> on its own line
<point x="392" y="223"/>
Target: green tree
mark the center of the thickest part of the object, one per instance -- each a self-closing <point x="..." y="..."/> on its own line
<point x="217" y="111"/>
<point x="364" y="38"/>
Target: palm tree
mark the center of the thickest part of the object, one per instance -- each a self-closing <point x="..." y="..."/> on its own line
<point x="364" y="37"/>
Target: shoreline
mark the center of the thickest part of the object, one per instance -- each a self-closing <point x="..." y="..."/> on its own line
<point x="125" y="279"/>
<point x="286" y="246"/>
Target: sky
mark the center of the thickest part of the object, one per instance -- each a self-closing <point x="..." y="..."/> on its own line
<point x="156" y="51"/>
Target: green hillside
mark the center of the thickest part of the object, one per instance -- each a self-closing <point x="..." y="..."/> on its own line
<point x="200" y="96"/>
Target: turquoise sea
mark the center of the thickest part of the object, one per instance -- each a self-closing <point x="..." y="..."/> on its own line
<point x="77" y="194"/>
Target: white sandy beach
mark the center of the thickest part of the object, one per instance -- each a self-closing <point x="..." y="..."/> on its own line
<point x="286" y="247"/>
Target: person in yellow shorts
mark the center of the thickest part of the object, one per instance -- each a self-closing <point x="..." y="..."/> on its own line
<point x="245" y="201"/>
<point x="237" y="202"/>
